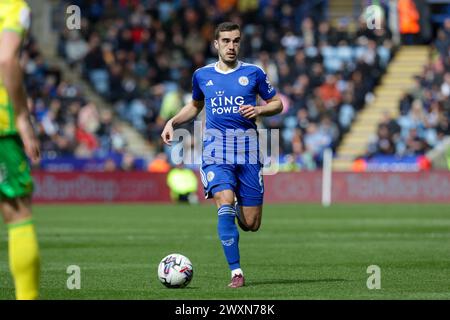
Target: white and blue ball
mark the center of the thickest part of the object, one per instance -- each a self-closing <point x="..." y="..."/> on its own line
<point x="175" y="271"/>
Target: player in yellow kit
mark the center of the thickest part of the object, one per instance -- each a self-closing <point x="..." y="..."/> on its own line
<point x="17" y="141"/>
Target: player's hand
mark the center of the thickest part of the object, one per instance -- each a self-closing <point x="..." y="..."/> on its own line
<point x="249" y="112"/>
<point x="29" y="140"/>
<point x="167" y="133"/>
<point x="32" y="150"/>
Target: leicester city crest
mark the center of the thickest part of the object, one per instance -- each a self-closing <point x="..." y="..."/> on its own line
<point x="243" y="81"/>
<point x="210" y="176"/>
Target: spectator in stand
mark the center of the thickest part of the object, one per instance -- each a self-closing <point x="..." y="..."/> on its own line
<point x="414" y="120"/>
<point x="409" y="21"/>
<point x="109" y="165"/>
<point x="346" y="111"/>
<point x="316" y="142"/>
<point x="329" y="129"/>
<point x="159" y="164"/>
<point x="415" y="145"/>
<point x="128" y="162"/>
<point x="268" y="66"/>
<point x="76" y="48"/>
<point x="445" y="87"/>
<point x="392" y="124"/>
<point x="329" y="93"/>
<point x="383" y="144"/>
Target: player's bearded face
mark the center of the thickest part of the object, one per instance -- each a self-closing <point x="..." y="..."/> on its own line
<point x="228" y="45"/>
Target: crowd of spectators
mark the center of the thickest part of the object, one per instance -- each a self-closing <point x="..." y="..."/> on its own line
<point x="67" y="124"/>
<point x="140" y="56"/>
<point x="424" y="109"/>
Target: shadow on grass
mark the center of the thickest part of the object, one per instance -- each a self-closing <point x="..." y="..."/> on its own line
<point x="292" y="281"/>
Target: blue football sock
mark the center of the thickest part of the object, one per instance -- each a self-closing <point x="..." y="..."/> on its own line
<point x="229" y="235"/>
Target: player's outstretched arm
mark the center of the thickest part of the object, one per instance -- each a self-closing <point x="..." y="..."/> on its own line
<point x="12" y="78"/>
<point x="273" y="107"/>
<point x="186" y="114"/>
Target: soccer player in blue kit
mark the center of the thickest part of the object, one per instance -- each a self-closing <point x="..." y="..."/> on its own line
<point x="228" y="89"/>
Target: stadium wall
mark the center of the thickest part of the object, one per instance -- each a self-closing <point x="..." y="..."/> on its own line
<point x="98" y="187"/>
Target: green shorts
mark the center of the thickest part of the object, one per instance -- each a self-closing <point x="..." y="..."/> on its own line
<point x="15" y="175"/>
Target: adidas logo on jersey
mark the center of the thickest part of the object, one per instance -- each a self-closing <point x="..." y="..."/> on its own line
<point x="209" y="83"/>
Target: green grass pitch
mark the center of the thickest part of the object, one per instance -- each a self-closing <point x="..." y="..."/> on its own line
<point x="302" y="251"/>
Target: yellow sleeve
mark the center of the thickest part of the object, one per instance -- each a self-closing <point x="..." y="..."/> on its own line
<point x="18" y="19"/>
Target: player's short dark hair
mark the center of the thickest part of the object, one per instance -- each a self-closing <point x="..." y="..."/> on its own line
<point x="226" y="26"/>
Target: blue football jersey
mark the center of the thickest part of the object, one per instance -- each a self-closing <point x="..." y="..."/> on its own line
<point x="223" y="94"/>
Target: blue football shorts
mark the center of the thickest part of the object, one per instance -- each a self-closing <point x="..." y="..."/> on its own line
<point x="244" y="179"/>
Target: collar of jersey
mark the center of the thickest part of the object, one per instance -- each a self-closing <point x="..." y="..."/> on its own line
<point x="229" y="71"/>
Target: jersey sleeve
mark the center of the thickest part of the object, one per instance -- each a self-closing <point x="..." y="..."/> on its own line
<point x="197" y="93"/>
<point x="264" y="87"/>
<point x="18" y="20"/>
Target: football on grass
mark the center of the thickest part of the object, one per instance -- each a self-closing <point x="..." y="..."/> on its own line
<point x="175" y="271"/>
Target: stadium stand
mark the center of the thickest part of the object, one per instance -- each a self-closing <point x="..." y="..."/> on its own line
<point x="68" y="124"/>
<point x="140" y="56"/>
<point x="424" y="110"/>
